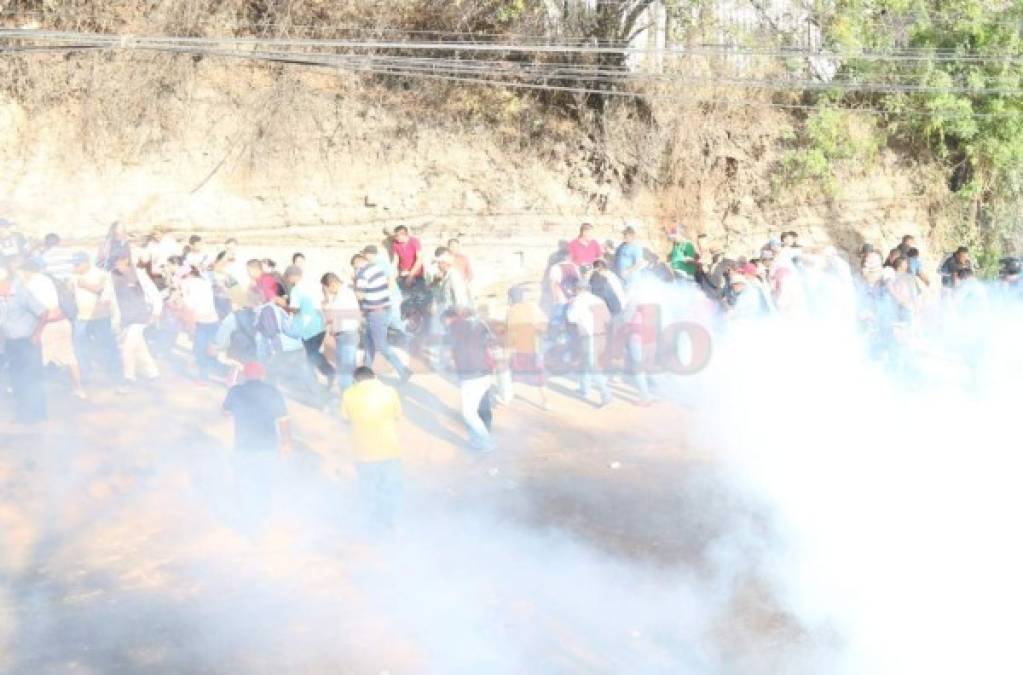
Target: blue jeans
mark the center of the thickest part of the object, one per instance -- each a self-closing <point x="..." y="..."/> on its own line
<point x="473" y="391"/>
<point x="346" y="346"/>
<point x="590" y="370"/>
<point x="204" y="335"/>
<point x="94" y="341"/>
<point x="25" y="360"/>
<point x="634" y="352"/>
<point x="381" y="485"/>
<point x="396" y="299"/>
<point x="376" y="341"/>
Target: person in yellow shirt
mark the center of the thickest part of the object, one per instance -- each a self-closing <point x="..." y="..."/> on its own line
<point x="373" y="410"/>
<point x="526" y="325"/>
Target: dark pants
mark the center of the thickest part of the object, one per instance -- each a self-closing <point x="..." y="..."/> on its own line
<point x="380" y="490"/>
<point x="376" y="341"/>
<point x="347" y="344"/>
<point x="94" y="341"/>
<point x="204" y="336"/>
<point x="486" y="411"/>
<point x="313" y="347"/>
<point x="26" y="364"/>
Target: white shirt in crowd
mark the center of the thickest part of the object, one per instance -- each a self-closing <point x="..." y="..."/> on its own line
<point x="42" y="287"/>
<point x="93" y="305"/>
<point x="587" y="312"/>
<point x="343" y="311"/>
<point x="160" y="251"/>
<point x="58" y="262"/>
<point x="197" y="295"/>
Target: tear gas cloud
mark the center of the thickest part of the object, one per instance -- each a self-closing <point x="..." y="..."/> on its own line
<point x="858" y="517"/>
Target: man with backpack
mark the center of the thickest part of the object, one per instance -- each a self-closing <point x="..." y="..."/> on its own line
<point x="237" y="337"/>
<point x="139" y="304"/>
<point x="281" y="349"/>
<point x="59" y="298"/>
<point x="24" y="319"/>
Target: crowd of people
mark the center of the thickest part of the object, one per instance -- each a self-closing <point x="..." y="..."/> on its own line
<point x="115" y="316"/>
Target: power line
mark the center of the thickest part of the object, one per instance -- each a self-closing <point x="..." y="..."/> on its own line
<point x="540" y="73"/>
<point x="483" y="73"/>
<point x="127" y="40"/>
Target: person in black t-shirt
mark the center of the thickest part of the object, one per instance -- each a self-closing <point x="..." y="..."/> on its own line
<point x="471" y="344"/>
<point x="260" y="414"/>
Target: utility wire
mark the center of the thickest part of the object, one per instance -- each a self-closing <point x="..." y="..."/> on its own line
<point x="440" y="46"/>
<point x="541" y="72"/>
<point x="466" y="71"/>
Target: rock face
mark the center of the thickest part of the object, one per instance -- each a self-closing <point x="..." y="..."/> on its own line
<point x="312" y="161"/>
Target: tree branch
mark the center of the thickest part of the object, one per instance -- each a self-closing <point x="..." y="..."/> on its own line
<point x="633" y="16"/>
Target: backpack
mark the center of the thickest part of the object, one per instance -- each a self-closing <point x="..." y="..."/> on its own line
<point x="242" y="346"/>
<point x="65" y="298"/>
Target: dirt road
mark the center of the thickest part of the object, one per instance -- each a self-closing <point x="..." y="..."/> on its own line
<point x="590" y="541"/>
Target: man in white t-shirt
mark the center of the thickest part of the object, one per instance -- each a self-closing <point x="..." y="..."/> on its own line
<point x="57" y="341"/>
<point x="343" y="317"/>
<point x="591" y="318"/>
<point x="197" y="297"/>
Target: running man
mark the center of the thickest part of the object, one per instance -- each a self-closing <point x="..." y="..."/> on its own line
<point x="373" y="410"/>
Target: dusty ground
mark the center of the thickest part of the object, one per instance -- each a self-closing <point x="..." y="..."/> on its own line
<point x="590" y="541"/>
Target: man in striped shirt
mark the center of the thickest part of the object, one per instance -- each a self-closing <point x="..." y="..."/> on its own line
<point x="58" y="259"/>
<point x="371" y="287"/>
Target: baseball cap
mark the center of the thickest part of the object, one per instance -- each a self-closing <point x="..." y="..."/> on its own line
<point x="254" y="370"/>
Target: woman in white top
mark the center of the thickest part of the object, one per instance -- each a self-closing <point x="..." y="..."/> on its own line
<point x="343" y="318"/>
<point x="201" y="310"/>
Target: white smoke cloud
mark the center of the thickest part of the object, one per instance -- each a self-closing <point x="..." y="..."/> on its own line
<point x="859" y="519"/>
<point x="894" y="489"/>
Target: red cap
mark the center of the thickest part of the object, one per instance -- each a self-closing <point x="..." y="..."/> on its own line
<point x="254" y="370"/>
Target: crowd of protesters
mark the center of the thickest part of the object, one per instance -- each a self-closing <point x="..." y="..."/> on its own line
<point x="115" y="316"/>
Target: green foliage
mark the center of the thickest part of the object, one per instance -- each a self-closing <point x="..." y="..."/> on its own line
<point x="508" y="11"/>
<point x="955" y="91"/>
<point x="828" y="139"/>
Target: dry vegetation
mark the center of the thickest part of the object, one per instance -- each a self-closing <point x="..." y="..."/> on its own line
<point x="239" y="127"/>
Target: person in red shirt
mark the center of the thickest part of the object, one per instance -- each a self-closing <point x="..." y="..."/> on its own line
<point x="264" y="284"/>
<point x="409" y="253"/>
<point x="583" y="250"/>
<point x="462" y="263"/>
